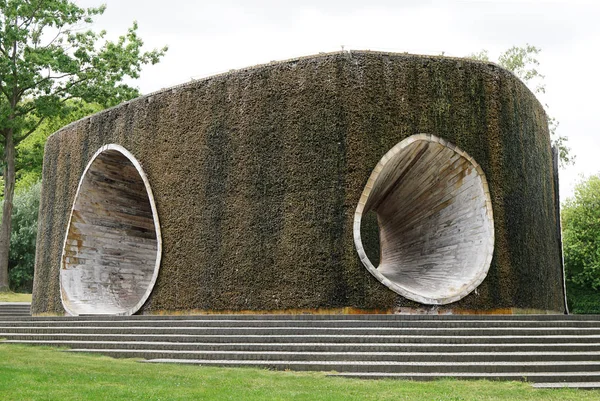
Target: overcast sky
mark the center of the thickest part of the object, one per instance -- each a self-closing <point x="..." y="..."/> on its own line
<point x="210" y="37"/>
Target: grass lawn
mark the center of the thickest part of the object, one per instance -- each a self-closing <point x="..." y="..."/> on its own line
<point x="14" y="297"/>
<point x="39" y="373"/>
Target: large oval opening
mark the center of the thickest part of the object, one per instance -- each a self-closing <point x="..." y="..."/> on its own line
<point x="112" y="248"/>
<point x="434" y="212"/>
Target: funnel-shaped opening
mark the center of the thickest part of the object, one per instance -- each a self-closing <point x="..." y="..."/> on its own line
<point x="434" y="212"/>
<point x="112" y="249"/>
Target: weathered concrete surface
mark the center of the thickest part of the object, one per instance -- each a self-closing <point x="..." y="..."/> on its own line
<point x="257" y="173"/>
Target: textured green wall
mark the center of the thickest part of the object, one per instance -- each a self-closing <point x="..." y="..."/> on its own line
<point x="256" y="175"/>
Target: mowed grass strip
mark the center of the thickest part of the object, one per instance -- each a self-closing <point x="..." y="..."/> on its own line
<point x="14" y="297"/>
<point x="42" y="373"/>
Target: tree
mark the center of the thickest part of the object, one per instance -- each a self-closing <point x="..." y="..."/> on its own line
<point x="581" y="243"/>
<point x="28" y="165"/>
<point x="523" y="62"/>
<point x="581" y="234"/>
<point x="29" y="154"/>
<point x="48" y="56"/>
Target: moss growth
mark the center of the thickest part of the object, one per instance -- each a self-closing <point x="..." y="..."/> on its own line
<point x="257" y="173"/>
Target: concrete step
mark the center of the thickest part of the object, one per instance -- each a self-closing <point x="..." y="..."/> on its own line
<point x="323" y="331"/>
<point x="350" y="324"/>
<point x="10" y="310"/>
<point x="381" y="318"/>
<point x="15" y="313"/>
<point x="448" y="369"/>
<point x="542" y="380"/>
<point x="358" y="357"/>
<point x="580" y="385"/>
<point x="312" y="339"/>
<point x="584" y="349"/>
<point x="551" y="350"/>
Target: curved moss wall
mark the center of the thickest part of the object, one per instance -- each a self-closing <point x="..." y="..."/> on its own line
<point x="256" y="175"/>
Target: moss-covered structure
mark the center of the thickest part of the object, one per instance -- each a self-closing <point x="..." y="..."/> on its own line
<point x="257" y="173"/>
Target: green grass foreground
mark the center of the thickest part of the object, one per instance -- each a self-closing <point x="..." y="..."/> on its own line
<point x="40" y="373"/>
<point x="14" y="297"/>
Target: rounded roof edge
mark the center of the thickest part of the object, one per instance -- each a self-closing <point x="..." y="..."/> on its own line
<point x="258" y="67"/>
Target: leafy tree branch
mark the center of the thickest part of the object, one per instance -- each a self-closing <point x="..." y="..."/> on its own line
<point x="523" y="62"/>
<point x="47" y="56"/>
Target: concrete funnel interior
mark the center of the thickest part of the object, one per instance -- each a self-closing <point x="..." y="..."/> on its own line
<point x="112" y="248"/>
<point x="434" y="213"/>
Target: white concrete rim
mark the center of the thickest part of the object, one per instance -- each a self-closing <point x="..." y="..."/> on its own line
<point x="365" y="196"/>
<point x="138" y="167"/>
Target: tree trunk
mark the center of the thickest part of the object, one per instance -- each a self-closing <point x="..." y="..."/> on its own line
<point x="9" y="192"/>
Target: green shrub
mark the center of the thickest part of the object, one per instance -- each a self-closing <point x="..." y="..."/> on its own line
<point x="581" y="238"/>
<point x="22" y="240"/>
<point x="583" y="300"/>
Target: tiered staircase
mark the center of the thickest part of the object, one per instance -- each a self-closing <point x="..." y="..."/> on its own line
<point x="14" y="309"/>
<point x="548" y="350"/>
